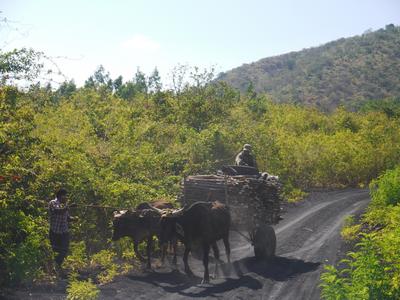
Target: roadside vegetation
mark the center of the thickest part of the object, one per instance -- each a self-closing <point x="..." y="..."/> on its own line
<point x="372" y="270"/>
<point x="116" y="143"/>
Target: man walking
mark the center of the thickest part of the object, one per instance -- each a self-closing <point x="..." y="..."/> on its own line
<point x="59" y="234"/>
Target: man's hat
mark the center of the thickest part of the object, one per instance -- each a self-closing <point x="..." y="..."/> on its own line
<point x="61" y="192"/>
<point x="246" y="147"/>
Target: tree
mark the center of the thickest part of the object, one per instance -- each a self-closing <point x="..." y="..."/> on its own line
<point x="250" y="92"/>
<point x="126" y="91"/>
<point x="100" y="80"/>
<point x="101" y="76"/>
<point x="140" y="82"/>
<point x="19" y="64"/>
<point x="154" y="81"/>
<point x="66" y="89"/>
<point x="90" y="83"/>
<point x="178" y="77"/>
<point x="117" y="83"/>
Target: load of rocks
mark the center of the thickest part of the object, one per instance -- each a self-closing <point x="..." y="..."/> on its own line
<point x="253" y="200"/>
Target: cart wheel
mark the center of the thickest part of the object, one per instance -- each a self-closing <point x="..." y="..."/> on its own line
<point x="264" y="242"/>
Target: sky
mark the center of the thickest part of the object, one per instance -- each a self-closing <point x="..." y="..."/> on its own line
<point x="122" y="35"/>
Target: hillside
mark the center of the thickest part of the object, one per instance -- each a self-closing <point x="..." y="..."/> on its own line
<point x="347" y="71"/>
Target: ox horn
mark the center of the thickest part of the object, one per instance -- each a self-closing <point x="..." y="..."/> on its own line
<point x="160" y="211"/>
<point x="177" y="212"/>
<point x="119" y="213"/>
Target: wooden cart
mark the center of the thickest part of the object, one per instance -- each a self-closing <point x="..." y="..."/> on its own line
<point x="254" y="201"/>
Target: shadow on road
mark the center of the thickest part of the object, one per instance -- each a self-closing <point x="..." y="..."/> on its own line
<point x="278" y="269"/>
<point x="239" y="275"/>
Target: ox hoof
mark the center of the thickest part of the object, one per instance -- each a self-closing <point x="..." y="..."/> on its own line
<point x="149" y="271"/>
<point x="227" y="269"/>
<point x="205" y="281"/>
<point x="190" y="274"/>
<point x="216" y="273"/>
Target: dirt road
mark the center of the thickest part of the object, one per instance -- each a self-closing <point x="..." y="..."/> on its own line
<point x="308" y="238"/>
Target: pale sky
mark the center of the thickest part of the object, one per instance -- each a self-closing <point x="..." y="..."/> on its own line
<point x="123" y="35"/>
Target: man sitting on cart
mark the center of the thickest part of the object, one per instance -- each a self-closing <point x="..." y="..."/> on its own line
<point x="245" y="158"/>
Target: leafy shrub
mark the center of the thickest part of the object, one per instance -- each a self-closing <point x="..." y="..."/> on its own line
<point x="386" y="189"/>
<point x="77" y="258"/>
<point x="101" y="265"/>
<point x="372" y="271"/>
<point x="333" y="285"/>
<point x="25" y="260"/>
<point x="350" y="230"/>
<point x="124" y="249"/>
<point x="82" y="290"/>
<point x="294" y="194"/>
<point x="105" y="260"/>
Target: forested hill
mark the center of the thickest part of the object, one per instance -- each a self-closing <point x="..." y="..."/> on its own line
<point x="347" y="71"/>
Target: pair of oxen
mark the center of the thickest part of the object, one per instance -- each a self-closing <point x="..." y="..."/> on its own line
<point x="203" y="223"/>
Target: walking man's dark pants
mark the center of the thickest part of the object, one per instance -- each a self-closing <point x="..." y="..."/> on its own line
<point x="59" y="243"/>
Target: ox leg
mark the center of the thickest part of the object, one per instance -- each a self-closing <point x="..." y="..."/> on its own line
<point x="174" y="247"/>
<point x="228" y="253"/>
<point x="217" y="259"/>
<point x="163" y="253"/>
<point x="136" y="248"/>
<point x="148" y="250"/>
<point x="170" y="246"/>
<point x="206" y="250"/>
<point x="227" y="248"/>
<point x="185" y="261"/>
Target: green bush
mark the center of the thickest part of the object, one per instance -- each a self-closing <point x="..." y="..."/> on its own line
<point x="25" y="259"/>
<point x="82" y="290"/>
<point x="372" y="271"/>
<point x="77" y="258"/>
<point x="350" y="230"/>
<point x="386" y="189"/>
<point x="105" y="260"/>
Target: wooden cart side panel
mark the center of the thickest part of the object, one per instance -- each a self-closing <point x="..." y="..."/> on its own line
<point x="252" y="201"/>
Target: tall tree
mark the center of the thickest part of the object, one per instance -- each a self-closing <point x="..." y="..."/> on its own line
<point x="19" y="64"/>
<point x="141" y="82"/>
<point x="100" y="80"/>
<point x="154" y="82"/>
<point x="66" y="89"/>
<point x="117" y="83"/>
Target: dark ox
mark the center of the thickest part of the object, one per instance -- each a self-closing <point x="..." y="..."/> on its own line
<point x="140" y="225"/>
<point x="203" y="222"/>
<point x="158" y="204"/>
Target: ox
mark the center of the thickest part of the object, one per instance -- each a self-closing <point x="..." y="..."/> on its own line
<point x="204" y="222"/>
<point x="157" y="204"/>
<point x="141" y="225"/>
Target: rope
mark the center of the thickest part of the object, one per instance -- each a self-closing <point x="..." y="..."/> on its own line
<point x="74" y="205"/>
<point x="97" y="206"/>
<point x="243" y="235"/>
